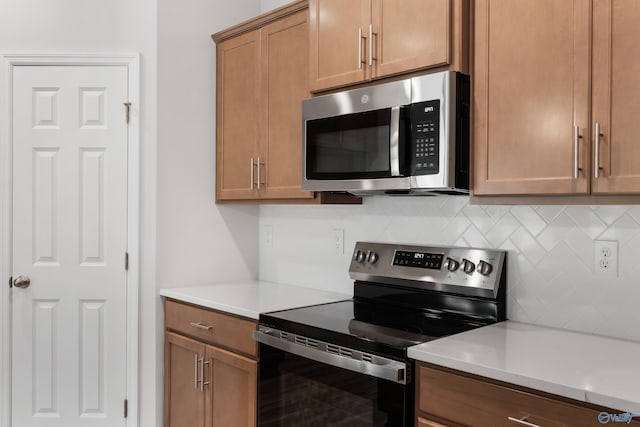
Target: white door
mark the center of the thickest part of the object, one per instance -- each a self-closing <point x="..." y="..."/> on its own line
<point x="69" y="238"/>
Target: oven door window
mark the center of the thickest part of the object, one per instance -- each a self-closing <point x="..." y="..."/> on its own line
<point x="353" y="146"/>
<point x="295" y="391"/>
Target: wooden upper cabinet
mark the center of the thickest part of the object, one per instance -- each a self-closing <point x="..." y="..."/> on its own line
<point x="616" y="95"/>
<point x="531" y="89"/>
<point x="262" y="78"/>
<point x="238" y="116"/>
<point x="409" y="35"/>
<point x="353" y="41"/>
<point x="285" y="84"/>
<point x="337" y="39"/>
<point x="540" y="67"/>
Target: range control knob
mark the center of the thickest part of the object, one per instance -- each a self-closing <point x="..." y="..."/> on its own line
<point x="372" y="257"/>
<point x="468" y="266"/>
<point x="359" y="256"/>
<point x="451" y="264"/>
<point x="484" y="268"/>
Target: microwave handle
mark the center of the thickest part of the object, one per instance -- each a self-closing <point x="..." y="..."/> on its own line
<point x="394" y="141"/>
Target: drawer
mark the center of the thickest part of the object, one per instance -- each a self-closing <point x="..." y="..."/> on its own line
<point x="471" y="401"/>
<point x="212" y="327"/>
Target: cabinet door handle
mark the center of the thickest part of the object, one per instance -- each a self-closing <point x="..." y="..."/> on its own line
<point x="202" y="381"/>
<point x="596" y="157"/>
<point x="576" y="152"/>
<point x="522" y="421"/>
<point x="260" y="164"/>
<point x="195" y="369"/>
<point x="201" y="326"/>
<point x="251" y="168"/>
<point x="371" y="34"/>
<point x="360" y="38"/>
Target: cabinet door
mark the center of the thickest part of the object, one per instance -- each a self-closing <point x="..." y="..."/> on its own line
<point x="339" y="31"/>
<point x="238" y="116"/>
<point x="409" y="34"/>
<point x="616" y="95"/>
<point x="184" y="403"/>
<point x="285" y="61"/>
<point x="232" y="389"/>
<point x="531" y="87"/>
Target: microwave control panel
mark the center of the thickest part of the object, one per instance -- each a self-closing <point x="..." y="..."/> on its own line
<point x="424" y="147"/>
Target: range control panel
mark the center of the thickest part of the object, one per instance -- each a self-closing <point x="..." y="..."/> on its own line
<point x="418" y="259"/>
<point x="467" y="271"/>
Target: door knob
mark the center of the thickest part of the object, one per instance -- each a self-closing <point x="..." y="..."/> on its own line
<point x="22" y="282"/>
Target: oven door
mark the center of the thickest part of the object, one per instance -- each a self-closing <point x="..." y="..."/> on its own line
<point x="296" y="388"/>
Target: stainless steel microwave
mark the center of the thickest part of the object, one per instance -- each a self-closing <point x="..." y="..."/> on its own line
<point x="404" y="137"/>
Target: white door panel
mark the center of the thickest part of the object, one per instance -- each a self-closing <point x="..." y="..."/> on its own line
<point x="69" y="236"/>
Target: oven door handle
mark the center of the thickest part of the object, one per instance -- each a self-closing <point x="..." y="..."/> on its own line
<point x="394" y="141"/>
<point x="383" y="368"/>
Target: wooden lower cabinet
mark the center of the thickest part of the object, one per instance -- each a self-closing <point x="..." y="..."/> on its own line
<point x="210" y="380"/>
<point x="446" y="398"/>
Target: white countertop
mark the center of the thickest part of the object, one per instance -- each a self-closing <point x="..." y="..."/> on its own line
<point x="250" y="298"/>
<point x="590" y="368"/>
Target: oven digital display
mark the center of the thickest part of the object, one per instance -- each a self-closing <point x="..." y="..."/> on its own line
<point x="418" y="259"/>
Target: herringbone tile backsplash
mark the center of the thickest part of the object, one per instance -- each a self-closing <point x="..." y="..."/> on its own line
<point x="550" y="281"/>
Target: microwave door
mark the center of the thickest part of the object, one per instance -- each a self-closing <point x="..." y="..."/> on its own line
<point x="357" y="146"/>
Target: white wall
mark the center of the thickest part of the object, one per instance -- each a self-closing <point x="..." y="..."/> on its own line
<point x="550" y="252"/>
<point x="267" y="5"/>
<point x="197" y="240"/>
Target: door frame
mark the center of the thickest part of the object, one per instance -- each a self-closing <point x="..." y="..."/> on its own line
<point x="7" y="63"/>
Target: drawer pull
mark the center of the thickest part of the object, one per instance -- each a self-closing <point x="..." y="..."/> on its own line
<point x="522" y="422"/>
<point x="200" y="325"/>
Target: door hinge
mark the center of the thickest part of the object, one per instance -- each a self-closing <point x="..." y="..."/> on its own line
<point x="126" y="408"/>
<point x="11" y="282"/>
<point x="126" y="260"/>
<point x="128" y="107"/>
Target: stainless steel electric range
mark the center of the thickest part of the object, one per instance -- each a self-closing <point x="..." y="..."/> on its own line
<point x="345" y="363"/>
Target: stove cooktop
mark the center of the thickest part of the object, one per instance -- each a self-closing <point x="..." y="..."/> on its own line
<point x="366" y="327"/>
<point x="403" y="295"/>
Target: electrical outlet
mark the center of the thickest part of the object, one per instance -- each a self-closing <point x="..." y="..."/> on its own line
<point x="605" y="260"/>
<point x="338" y="241"/>
<point x="268" y="235"/>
